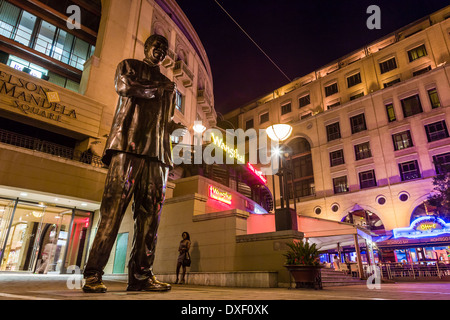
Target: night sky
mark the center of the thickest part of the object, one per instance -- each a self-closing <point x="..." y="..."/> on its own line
<point x="299" y="36"/>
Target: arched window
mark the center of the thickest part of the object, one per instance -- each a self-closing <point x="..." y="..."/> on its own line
<point x="300" y="162"/>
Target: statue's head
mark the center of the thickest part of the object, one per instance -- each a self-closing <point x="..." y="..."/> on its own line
<point x="155" y="48"/>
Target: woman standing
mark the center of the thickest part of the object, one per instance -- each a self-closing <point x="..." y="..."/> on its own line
<point x="183" y="249"/>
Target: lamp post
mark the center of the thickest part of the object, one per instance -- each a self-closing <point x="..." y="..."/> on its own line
<point x="285" y="216"/>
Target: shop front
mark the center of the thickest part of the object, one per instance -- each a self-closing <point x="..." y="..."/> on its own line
<point x="420" y="251"/>
<point x="40" y="238"/>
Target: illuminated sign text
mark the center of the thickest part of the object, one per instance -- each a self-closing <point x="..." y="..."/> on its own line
<point x="257" y="173"/>
<point x="32" y="99"/>
<point x="219" y="195"/>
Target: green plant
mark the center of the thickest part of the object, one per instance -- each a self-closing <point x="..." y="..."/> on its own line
<point x="302" y="253"/>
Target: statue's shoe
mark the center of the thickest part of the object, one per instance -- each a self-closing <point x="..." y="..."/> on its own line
<point x="94" y="284"/>
<point x="151" y="284"/>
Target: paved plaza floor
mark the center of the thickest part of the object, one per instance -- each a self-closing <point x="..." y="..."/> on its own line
<point x="23" y="287"/>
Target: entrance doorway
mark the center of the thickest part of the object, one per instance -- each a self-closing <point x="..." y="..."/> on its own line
<point x="42" y="239"/>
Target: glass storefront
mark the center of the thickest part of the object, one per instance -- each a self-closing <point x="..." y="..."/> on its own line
<point x="42" y="239"/>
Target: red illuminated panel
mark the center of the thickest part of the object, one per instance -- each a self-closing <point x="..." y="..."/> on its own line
<point x="257" y="173"/>
<point x="218" y="195"/>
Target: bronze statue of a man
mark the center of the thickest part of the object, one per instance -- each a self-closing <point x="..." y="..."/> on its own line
<point x="139" y="155"/>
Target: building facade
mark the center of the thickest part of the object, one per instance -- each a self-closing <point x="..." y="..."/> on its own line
<point x="368" y="129"/>
<point x="56" y="109"/>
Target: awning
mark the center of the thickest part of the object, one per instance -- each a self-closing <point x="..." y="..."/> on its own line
<point x="328" y="233"/>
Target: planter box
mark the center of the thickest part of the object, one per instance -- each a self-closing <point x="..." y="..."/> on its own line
<point x="306" y="276"/>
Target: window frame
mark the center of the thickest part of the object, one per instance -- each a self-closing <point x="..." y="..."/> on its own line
<point x="263" y="114"/>
<point x="363" y="182"/>
<point x="410" y="52"/>
<point x="356" y="124"/>
<point x="437" y="132"/>
<point x="412" y="112"/>
<point x="385" y="70"/>
<point x="435" y="93"/>
<point x="285" y="110"/>
<point x="337" y="132"/>
<point x="337" y="187"/>
<point x="407" y="175"/>
<point x="329" y="91"/>
<point x="362" y="153"/>
<point x="354" y="80"/>
<point x="402" y="141"/>
<point x="337" y="158"/>
<point x="300" y="105"/>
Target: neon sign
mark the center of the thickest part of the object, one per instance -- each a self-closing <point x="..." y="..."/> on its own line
<point x="219" y="195"/>
<point x="427" y="226"/>
<point x="257" y="173"/>
<point x="232" y="153"/>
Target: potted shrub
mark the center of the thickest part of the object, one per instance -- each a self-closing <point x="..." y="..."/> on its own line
<point x="302" y="261"/>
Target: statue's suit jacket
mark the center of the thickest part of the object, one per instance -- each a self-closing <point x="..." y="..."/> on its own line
<point x="144" y="111"/>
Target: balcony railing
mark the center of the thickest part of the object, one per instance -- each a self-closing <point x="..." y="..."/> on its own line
<point x="24" y="37"/>
<point x="181" y="70"/>
<point x="47" y="147"/>
<point x="423" y="270"/>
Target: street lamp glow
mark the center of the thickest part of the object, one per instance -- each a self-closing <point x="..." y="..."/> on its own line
<point x="199" y="127"/>
<point x="279" y="132"/>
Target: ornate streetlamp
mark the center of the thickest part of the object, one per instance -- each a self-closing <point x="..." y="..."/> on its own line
<point x="285" y="216"/>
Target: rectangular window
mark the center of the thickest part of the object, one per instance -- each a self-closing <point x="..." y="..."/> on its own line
<point x="388" y="65"/>
<point x="305" y="116"/>
<point x="286" y="108"/>
<point x="336" y="104"/>
<point x="303" y="188"/>
<point x="391" y="83"/>
<point x="63" y="46"/>
<point x="421" y="71"/>
<point x="390" y="112"/>
<point x="442" y="163"/>
<point x="411" y="106"/>
<point x="367" y="179"/>
<point x="354" y="80"/>
<point x="264" y="118"/>
<point x="333" y="131"/>
<point x="356" y="96"/>
<point x="436" y="131"/>
<point x="434" y="98"/>
<point x="179" y="101"/>
<point x="331" y="89"/>
<point x="402" y="140"/>
<point x="340" y="184"/>
<point x="9" y="15"/>
<point x="337" y="158"/>
<point x="362" y="151"/>
<point x="79" y="54"/>
<point x="249" y="124"/>
<point x="409" y="170"/>
<point x="417" y="53"/>
<point x="358" y="123"/>
<point x="304" y="101"/>
<point x="44" y="39"/>
<point x="25" y="28"/>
